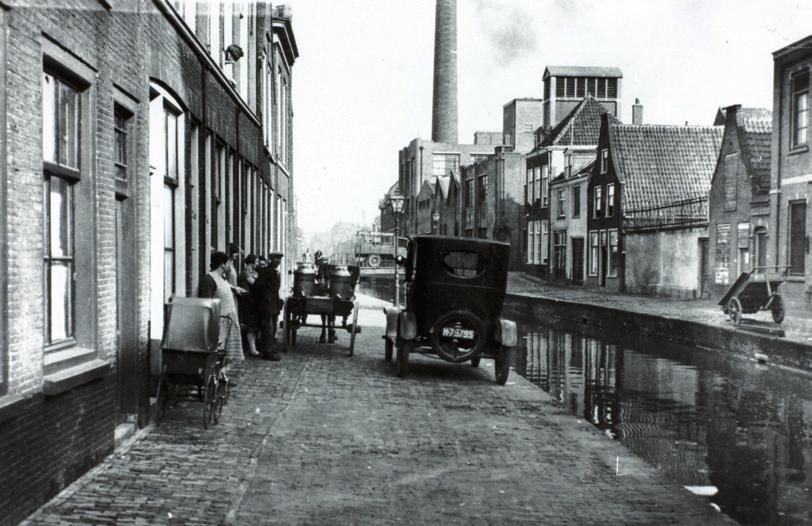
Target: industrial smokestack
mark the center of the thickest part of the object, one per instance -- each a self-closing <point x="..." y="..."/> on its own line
<point x="444" y="102"/>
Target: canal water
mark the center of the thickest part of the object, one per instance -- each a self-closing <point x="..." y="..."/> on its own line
<point x="709" y="421"/>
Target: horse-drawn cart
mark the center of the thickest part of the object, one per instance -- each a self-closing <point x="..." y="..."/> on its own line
<point x="193" y="349"/>
<point x="331" y="296"/>
<point x="755" y="291"/>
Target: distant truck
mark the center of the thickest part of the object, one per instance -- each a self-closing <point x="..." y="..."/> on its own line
<point x="375" y="252"/>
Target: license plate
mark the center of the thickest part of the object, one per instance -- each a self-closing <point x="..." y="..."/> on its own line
<point x="455" y="332"/>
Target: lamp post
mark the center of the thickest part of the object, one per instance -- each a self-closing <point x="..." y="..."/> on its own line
<point x="396" y="202"/>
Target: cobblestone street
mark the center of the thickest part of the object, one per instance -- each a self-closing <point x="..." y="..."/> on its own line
<point x="322" y="438"/>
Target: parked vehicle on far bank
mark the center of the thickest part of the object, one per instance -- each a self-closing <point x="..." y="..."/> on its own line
<point x="455" y="291"/>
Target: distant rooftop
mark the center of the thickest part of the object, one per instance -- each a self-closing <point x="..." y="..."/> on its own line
<point x="581" y="71"/>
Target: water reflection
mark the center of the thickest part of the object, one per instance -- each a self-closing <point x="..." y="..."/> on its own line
<point x="701" y="418"/>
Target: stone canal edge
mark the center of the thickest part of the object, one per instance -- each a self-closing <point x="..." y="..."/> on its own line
<point x="322" y="438"/>
<point x="640" y="324"/>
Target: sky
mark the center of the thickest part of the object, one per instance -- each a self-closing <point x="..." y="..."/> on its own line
<point x="362" y="85"/>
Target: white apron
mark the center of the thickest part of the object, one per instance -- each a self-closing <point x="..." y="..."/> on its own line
<point x="229" y="308"/>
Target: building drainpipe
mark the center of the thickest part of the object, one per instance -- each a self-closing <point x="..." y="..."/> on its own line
<point x="775" y="193"/>
<point x="420" y="185"/>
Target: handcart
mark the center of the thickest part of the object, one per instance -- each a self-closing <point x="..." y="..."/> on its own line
<point x="755" y="291"/>
<point x="193" y="347"/>
<point x="331" y="298"/>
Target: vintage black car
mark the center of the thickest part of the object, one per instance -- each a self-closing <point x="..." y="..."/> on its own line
<point x="455" y="291"/>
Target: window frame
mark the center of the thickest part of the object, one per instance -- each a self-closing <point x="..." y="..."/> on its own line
<point x="61" y="64"/>
<point x="613" y="256"/>
<point x="610" y="200"/>
<point x="561" y="199"/>
<point x="794" y="112"/>
<point x="594" y="253"/>
<point x="604" y="160"/>
<point x="576" y="201"/>
<point x="597" y="201"/>
<point x="793" y="271"/>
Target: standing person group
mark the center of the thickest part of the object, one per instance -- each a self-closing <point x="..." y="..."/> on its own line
<point x="251" y="300"/>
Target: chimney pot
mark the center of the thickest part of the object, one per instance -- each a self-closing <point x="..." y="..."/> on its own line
<point x="637" y="112"/>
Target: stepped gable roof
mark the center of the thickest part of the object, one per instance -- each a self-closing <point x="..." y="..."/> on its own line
<point x="582" y="125"/>
<point x="661" y="165"/>
<point x="581" y="71"/>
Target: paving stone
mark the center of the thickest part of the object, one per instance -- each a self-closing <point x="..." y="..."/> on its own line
<point x="322" y="438"/>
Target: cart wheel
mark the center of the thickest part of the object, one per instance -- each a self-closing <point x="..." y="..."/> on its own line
<point x="161" y="399"/>
<point x="219" y="400"/>
<point x="502" y="365"/>
<point x="403" y="358"/>
<point x="388" y="348"/>
<point x="354" y="326"/>
<point x="777" y="309"/>
<point x="209" y="401"/>
<point x="734" y="307"/>
<point x="475" y="361"/>
<point x="224" y="386"/>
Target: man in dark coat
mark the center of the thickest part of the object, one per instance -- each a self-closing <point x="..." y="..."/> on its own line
<point x="268" y="304"/>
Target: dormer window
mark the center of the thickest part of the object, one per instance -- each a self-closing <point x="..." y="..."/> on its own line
<point x="604" y="160"/>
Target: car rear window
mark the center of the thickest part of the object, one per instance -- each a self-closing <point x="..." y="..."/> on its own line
<point x="464" y="264"/>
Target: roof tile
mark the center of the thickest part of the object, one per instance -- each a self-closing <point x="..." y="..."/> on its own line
<point x="661" y="165"/>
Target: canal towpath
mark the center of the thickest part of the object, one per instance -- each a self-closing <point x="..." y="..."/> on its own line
<point x="698" y="322"/>
<point x="323" y="438"/>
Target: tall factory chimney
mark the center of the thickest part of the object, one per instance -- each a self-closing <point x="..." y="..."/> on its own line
<point x="444" y="102"/>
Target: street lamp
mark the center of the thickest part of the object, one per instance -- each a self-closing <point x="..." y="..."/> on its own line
<point x="396" y="202"/>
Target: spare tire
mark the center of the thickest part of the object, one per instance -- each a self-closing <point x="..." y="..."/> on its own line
<point x="374" y="260"/>
<point x="464" y="336"/>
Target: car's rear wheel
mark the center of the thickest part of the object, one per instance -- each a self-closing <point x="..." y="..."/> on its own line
<point x="502" y="365"/>
<point x="458" y="336"/>
<point x="403" y="358"/>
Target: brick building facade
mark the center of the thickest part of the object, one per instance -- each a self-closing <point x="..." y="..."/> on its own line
<point x="739" y="211"/>
<point x="138" y="136"/>
<point x="791" y="171"/>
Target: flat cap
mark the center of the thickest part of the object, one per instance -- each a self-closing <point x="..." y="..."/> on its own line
<point x="276" y="255"/>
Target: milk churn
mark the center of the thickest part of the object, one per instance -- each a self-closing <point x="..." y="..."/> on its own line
<point x="304" y="279"/>
<point x="341" y="283"/>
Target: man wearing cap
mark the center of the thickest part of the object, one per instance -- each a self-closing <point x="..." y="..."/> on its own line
<point x="268" y="302"/>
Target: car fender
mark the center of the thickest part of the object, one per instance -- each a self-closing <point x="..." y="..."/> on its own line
<point x="392" y="316"/>
<point x="506" y="334"/>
